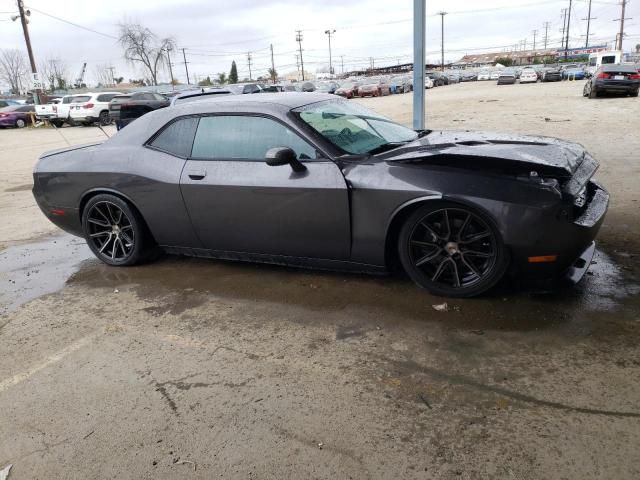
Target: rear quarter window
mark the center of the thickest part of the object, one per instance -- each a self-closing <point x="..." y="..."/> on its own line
<point x="105" y="97"/>
<point x="176" y="138"/>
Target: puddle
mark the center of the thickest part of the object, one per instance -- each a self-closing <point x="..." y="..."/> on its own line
<point x="175" y="284"/>
<point x="31" y="270"/>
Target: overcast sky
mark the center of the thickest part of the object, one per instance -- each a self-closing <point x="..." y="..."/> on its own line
<point x="214" y="32"/>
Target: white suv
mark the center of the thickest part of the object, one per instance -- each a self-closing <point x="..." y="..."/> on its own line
<point x="91" y="107"/>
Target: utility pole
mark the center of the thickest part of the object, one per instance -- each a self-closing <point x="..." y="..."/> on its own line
<point x="249" y="63"/>
<point x="186" y="68"/>
<point x="113" y="78"/>
<point x="621" y="20"/>
<point x="371" y="63"/>
<point x="442" y="14"/>
<point x="341" y="63"/>
<point x="546" y="33"/>
<point x="170" y="69"/>
<point x="273" y="65"/>
<point x="588" y="19"/>
<point x="298" y="65"/>
<point x="564" y="26"/>
<point x="329" y="32"/>
<point x="27" y="39"/>
<point x="568" y="27"/>
<point x="535" y="32"/>
<point x="299" y="40"/>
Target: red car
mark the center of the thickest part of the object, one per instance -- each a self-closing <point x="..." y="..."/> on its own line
<point x="348" y="89"/>
<point x="16" y="115"/>
<point x="376" y="88"/>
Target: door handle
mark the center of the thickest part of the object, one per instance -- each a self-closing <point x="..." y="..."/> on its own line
<point x="197" y="174"/>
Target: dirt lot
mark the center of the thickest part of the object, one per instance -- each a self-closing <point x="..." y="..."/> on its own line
<point x="189" y="368"/>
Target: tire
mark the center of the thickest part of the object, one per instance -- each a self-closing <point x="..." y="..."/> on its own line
<point x="465" y="259"/>
<point x="115" y="232"/>
<point x="585" y="90"/>
<point x="57" y="123"/>
<point x="634" y="93"/>
<point x="20" y="123"/>
<point x="104" y="118"/>
<point x="593" y="93"/>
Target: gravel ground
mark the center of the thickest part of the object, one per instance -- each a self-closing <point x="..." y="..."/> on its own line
<point x="190" y="368"/>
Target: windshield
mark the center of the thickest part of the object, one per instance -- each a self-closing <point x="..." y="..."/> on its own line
<point x="353" y="128"/>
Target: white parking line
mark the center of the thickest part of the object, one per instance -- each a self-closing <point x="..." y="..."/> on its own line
<point x="55" y="358"/>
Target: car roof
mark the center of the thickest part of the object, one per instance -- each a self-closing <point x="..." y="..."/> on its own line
<point x="285" y="99"/>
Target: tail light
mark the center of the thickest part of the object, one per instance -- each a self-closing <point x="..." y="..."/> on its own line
<point x="88" y="105"/>
<point x="634" y="76"/>
<point x="603" y="75"/>
<point x="2" y="115"/>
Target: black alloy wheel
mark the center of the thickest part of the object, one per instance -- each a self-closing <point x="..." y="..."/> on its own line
<point x="452" y="250"/>
<point x="105" y="119"/>
<point x="114" y="231"/>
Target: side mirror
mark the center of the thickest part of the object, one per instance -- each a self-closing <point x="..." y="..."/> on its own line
<point x="278" y="156"/>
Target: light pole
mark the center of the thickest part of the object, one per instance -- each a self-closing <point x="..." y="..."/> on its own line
<point x="442" y="14"/>
<point x="329" y="33"/>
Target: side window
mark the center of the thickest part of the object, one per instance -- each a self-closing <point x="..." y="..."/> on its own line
<point x="26" y="109"/>
<point x="246" y="138"/>
<point x="158" y="96"/>
<point x="105" y="97"/>
<point x="177" y="137"/>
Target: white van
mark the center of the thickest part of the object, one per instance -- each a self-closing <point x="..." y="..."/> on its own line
<point x="596" y="60"/>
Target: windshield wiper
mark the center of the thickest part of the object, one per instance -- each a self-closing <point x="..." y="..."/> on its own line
<point x="386" y="147"/>
<point x="423" y="133"/>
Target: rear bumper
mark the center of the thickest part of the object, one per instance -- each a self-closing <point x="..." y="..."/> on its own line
<point x="81" y="119"/>
<point x="68" y="219"/>
<point x="617" y="85"/>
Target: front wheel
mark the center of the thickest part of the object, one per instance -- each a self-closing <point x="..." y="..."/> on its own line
<point x="452" y="250"/>
<point x="114" y="231"/>
<point x="20" y="123"/>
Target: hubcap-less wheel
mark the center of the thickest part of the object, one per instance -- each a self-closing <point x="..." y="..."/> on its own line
<point x="20" y="123"/>
<point x="453" y="247"/>
<point x="105" y="119"/>
<point x="111" y="232"/>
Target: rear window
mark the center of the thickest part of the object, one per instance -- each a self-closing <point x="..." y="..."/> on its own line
<point x="105" y="97"/>
<point x="609" y="59"/>
<point x="81" y="99"/>
<point x="120" y="98"/>
<point x="619" y="68"/>
<point x="177" y="137"/>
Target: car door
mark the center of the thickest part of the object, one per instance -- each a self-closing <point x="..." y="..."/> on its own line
<point x="238" y="203"/>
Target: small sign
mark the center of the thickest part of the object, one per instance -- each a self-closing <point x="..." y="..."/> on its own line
<point x="35" y="82"/>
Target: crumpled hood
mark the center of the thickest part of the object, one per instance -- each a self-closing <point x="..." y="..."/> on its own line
<point x="530" y="151"/>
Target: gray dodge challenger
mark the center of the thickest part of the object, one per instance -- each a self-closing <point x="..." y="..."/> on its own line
<point x="305" y="179"/>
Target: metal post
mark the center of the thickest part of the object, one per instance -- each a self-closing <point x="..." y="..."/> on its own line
<point x="329" y="32"/>
<point x="27" y="39"/>
<point x="186" y="68"/>
<point x="273" y="66"/>
<point x="566" y="47"/>
<point x="419" y="20"/>
<point x="249" y="63"/>
<point x="442" y="14"/>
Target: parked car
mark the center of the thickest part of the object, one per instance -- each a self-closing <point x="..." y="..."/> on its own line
<point x="428" y="83"/>
<point x="308" y="87"/>
<point x="261" y="178"/>
<point x="44" y="111"/>
<point x="123" y="109"/>
<point x="348" y="89"/>
<point x="89" y="108"/>
<point x="374" y="87"/>
<point x="5" y="102"/>
<point x="57" y="111"/>
<point x="399" y="84"/>
<point x="616" y="78"/>
<point x="327" y="87"/>
<point x="573" y="74"/>
<point x="528" y="75"/>
<point x="495" y="75"/>
<point x="484" y="75"/>
<point x="507" y="77"/>
<point x="455" y="77"/>
<point x="551" y="75"/>
<point x="18" y="116"/>
<point x="439" y="79"/>
<point x="469" y="77"/>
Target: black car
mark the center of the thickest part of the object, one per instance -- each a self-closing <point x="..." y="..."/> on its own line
<point x="126" y="108"/>
<point x="551" y="75"/>
<point x="439" y="78"/>
<point x="613" y="78"/>
<point x="308" y="179"/>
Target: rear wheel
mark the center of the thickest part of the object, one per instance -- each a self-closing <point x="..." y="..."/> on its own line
<point x="593" y="93"/>
<point x="452" y="250"/>
<point x="57" y="123"/>
<point x="105" y="119"/>
<point x="114" y="231"/>
<point x="634" y="93"/>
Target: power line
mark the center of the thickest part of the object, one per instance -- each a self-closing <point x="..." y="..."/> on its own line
<point x="74" y="24"/>
<point x="588" y="19"/>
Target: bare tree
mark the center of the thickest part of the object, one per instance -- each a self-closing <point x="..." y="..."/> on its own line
<point x="141" y="45"/>
<point x="13" y="69"/>
<point x="55" y="73"/>
<point x="102" y="74"/>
